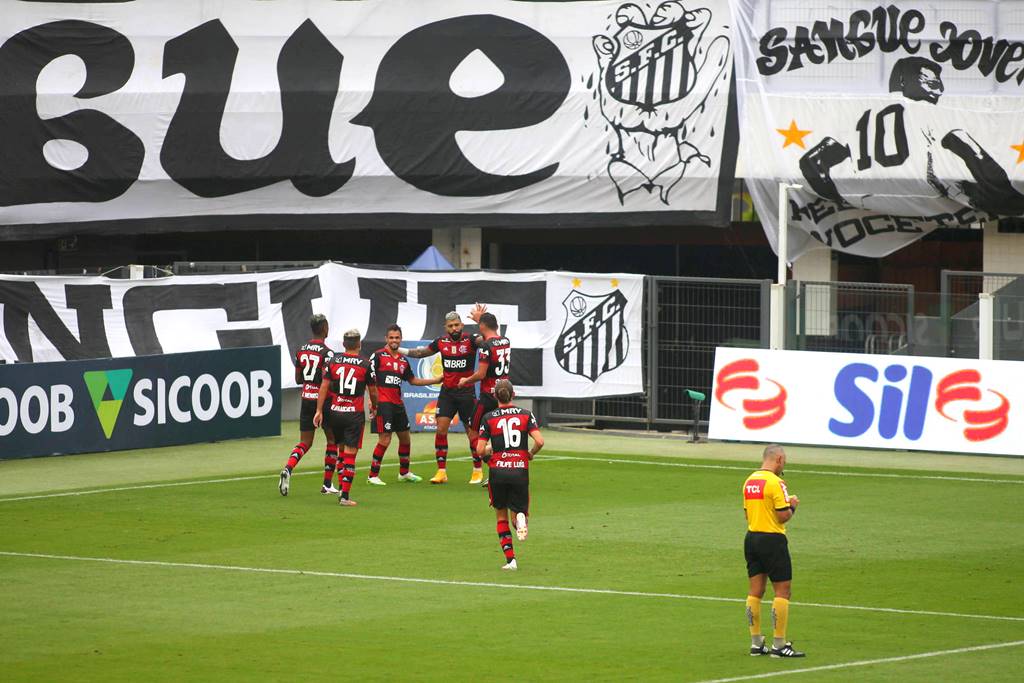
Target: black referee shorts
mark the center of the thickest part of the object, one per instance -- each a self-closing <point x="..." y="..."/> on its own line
<point x="509" y="489"/>
<point x="768" y="554"/>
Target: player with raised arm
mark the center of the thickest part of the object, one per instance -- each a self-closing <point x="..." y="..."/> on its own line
<point x="347" y="416"/>
<point x="458" y="351"/>
<point x="310" y="360"/>
<point x="388" y="369"/>
<point x="494" y="363"/>
<point x="503" y="440"/>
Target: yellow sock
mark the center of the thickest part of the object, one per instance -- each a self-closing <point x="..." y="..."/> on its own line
<point x="780" y="618"/>
<point x="754" y="615"/>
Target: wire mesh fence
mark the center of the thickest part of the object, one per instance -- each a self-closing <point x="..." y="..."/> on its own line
<point x="850" y="317"/>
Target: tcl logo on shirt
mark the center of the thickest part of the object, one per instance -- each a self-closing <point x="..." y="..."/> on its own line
<point x="754" y="490"/>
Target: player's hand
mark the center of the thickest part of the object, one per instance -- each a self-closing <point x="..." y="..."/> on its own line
<point x="373" y="412"/>
<point x="478" y="310"/>
<point x="793" y="501"/>
<point x="438" y="379"/>
<point x="318" y="419"/>
<point x="463" y="381"/>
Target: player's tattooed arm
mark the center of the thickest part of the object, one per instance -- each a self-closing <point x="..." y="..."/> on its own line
<point x="371" y="390"/>
<point x="425" y="381"/>
<point x="418" y="352"/>
<point x="538" y="442"/>
<point x="479" y="374"/>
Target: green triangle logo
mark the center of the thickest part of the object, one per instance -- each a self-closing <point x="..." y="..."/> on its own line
<point x="98" y="382"/>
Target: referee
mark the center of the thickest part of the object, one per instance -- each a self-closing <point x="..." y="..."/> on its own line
<point x="768" y="506"/>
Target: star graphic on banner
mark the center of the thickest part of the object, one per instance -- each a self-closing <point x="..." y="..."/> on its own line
<point x="1020" y="151"/>
<point x="615" y="282"/>
<point x="793" y="135"/>
<point x="576" y="282"/>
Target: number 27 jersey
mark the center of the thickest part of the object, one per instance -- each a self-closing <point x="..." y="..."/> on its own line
<point x="312" y="359"/>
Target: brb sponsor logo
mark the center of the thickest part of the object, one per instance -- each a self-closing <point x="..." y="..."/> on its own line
<point x="907" y="396"/>
<point x="761" y="410"/>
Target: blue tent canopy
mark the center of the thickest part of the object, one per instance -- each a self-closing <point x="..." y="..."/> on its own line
<point x="431" y="259"/>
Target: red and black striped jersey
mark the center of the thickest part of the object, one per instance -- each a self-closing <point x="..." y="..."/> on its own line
<point x="351" y="372"/>
<point x="497" y="353"/>
<point x="311" y="359"/>
<point x="388" y="372"/>
<point x="507" y="428"/>
<point x="457" y="359"/>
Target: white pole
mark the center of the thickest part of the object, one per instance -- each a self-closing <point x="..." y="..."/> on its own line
<point x="777" y="319"/>
<point x="986" y="323"/>
<point x="136" y="272"/>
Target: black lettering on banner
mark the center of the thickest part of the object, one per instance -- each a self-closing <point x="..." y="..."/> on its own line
<point x="846" y="240"/>
<point x="22" y="300"/>
<point x="415" y="115"/>
<point x="384" y="295"/>
<point x="115" y="153"/>
<point x="884" y="221"/>
<point x="238" y="301"/>
<point x="907" y="224"/>
<point x="296" y="299"/>
<point x="308" y="70"/>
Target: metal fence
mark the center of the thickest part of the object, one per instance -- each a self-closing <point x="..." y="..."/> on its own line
<point x="685" y="319"/>
<point x="850" y="317"/>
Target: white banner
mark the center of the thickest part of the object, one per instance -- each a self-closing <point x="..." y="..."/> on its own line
<point x="895" y="118"/>
<point x="868" y="401"/>
<point x="383" y="110"/>
<point x="573" y="334"/>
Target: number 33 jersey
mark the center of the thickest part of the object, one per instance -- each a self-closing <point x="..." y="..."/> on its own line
<point x="497" y="353"/>
<point x="312" y="359"/>
<point x="507" y="429"/>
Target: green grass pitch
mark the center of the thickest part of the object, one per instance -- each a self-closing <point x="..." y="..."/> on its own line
<point x="633" y="570"/>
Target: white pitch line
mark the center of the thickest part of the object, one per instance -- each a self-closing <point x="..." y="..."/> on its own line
<point x="488" y="584"/>
<point x="868" y="662"/>
<point x="90" y="492"/>
<point x="797" y="470"/>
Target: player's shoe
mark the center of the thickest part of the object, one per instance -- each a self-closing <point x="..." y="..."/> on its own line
<point x="284" y="483"/>
<point x="376" y="481"/>
<point x="328" y="490"/>
<point x="409" y="477"/>
<point x="346" y="502"/>
<point x="440" y="478"/>
<point x="786" y="651"/>
<point x="477" y="477"/>
<point x="520" y="526"/>
<point x="511" y="566"/>
<point x="758" y="650"/>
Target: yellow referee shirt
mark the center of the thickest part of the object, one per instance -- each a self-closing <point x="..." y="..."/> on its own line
<point x="763" y="494"/>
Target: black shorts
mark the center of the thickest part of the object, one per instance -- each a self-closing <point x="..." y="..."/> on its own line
<point x="348" y="428"/>
<point x="391" y="418"/>
<point x="461" y="401"/>
<point x="306" y="412"/>
<point x="768" y="554"/>
<point x="509" y="489"/>
<point x="484" y="405"/>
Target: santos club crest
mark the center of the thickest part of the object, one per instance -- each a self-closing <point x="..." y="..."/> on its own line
<point x="594" y="339"/>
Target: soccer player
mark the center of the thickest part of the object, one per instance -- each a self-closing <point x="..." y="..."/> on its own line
<point x="494" y="363"/>
<point x="458" y="351"/>
<point x="503" y="437"/>
<point x="388" y="368"/>
<point x="348" y="419"/>
<point x="768" y="505"/>
<point x="310" y="360"/>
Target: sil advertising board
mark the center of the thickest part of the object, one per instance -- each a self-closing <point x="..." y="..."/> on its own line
<point x="868" y="401"/>
<point x="121" y="403"/>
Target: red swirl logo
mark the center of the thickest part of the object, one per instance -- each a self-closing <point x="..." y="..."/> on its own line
<point x="760" y="412"/>
<point x="962" y="386"/>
